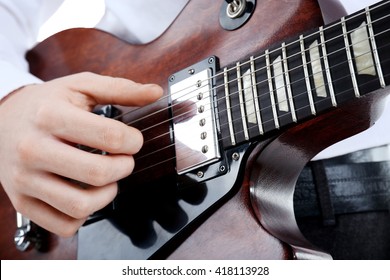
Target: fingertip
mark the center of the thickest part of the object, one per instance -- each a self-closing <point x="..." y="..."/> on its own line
<point x="154" y="92"/>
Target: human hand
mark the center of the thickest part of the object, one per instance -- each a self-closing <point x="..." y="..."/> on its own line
<point x="40" y="126"/>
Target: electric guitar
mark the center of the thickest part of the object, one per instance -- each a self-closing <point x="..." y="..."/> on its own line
<point x="248" y="102"/>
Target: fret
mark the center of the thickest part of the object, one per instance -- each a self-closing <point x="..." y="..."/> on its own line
<point x="304" y="77"/>
<point x="228" y="106"/>
<point x="264" y="98"/>
<point x="349" y="55"/>
<point x="271" y="89"/>
<point x="288" y="84"/>
<point x="381" y="25"/>
<point x="338" y="63"/>
<point x="297" y="81"/>
<point x="375" y="49"/>
<point x="242" y="101"/>
<point x="307" y="77"/>
<point x="327" y="68"/>
<point x="255" y="95"/>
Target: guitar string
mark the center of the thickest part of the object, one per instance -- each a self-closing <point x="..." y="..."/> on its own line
<point x="266" y="81"/>
<point x="182" y="155"/>
<point x="286" y="114"/>
<point x="171" y="145"/>
<point x="296" y="54"/>
<point x="264" y="122"/>
<point x="236" y="80"/>
<point x="266" y="93"/>
<point x="233" y="68"/>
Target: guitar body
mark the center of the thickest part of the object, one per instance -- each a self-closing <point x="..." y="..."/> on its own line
<point x="213" y="219"/>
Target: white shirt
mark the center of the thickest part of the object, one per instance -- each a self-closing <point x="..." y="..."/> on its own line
<point x="22" y="24"/>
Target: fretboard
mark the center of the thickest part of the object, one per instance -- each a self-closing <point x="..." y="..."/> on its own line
<point x="305" y="76"/>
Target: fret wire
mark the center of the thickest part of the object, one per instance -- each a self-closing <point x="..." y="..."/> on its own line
<point x="271" y="89"/>
<point x="307" y="76"/>
<point x="372" y="37"/>
<point x="255" y="59"/>
<point x="166" y="160"/>
<point x="228" y="107"/>
<point x="349" y="56"/>
<point x="374" y="49"/>
<point x="227" y="82"/>
<point x="327" y="68"/>
<point x="301" y="108"/>
<point x="241" y="100"/>
<point x="288" y="84"/>
<point x="223" y="138"/>
<point x="173" y="144"/>
<point x="255" y="95"/>
<point x="327" y="27"/>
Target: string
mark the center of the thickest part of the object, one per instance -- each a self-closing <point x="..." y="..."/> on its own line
<point x="285" y="114"/>
<point x="261" y="81"/>
<point x="235" y="80"/>
<point x="266" y="93"/>
<point x="247" y="62"/>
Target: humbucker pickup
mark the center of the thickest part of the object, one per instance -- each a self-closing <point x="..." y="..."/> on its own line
<point x="193" y="115"/>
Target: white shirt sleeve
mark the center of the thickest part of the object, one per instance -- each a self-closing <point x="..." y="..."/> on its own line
<point x="19" y="26"/>
<point x="137" y="21"/>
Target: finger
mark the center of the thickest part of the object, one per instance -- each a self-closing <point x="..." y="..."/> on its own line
<point x="68" y="197"/>
<point x="85" y="128"/>
<point x="110" y="90"/>
<point x="67" y="161"/>
<point x="49" y="218"/>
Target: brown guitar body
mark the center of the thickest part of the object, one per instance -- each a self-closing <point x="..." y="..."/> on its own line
<point x="233" y="230"/>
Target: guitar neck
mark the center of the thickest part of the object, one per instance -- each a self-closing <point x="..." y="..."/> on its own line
<point x="305" y="76"/>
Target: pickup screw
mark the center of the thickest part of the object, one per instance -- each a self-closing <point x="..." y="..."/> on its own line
<point x="222" y="168"/>
<point x="235" y="156"/>
<point x="200" y="174"/>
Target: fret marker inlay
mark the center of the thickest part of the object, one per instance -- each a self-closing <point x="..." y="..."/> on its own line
<point x="280" y="85"/>
<point x="315" y="60"/>
<point x="249" y="99"/>
<point x="362" y="51"/>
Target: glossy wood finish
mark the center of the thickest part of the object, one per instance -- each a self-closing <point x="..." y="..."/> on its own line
<point x="233" y="230"/>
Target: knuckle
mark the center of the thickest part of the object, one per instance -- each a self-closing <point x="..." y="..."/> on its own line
<point x="114" y="138"/>
<point x="85" y="75"/>
<point x="25" y="150"/>
<point x="42" y="116"/>
<point x="19" y="204"/>
<point x="19" y="180"/>
<point x="69" y="229"/>
<point x="98" y="176"/>
<point x="79" y="208"/>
